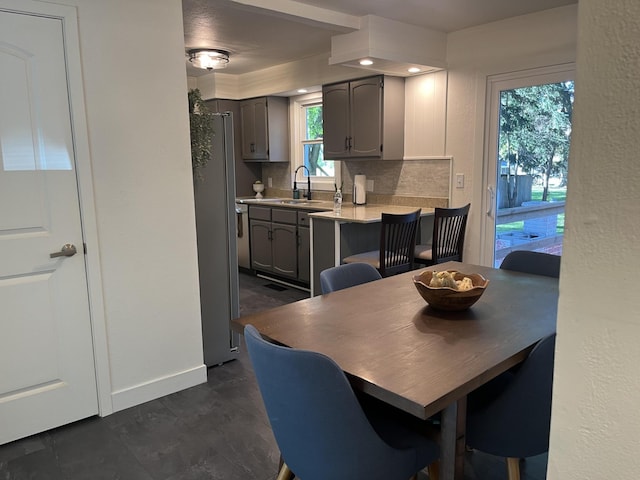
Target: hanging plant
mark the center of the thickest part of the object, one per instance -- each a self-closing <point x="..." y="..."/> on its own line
<point x="201" y="129"/>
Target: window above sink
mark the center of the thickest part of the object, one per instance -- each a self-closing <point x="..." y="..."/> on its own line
<point x="307" y="136"/>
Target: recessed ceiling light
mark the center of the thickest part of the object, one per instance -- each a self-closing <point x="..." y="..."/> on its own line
<point x="302" y="90"/>
<point x="366" y="62"/>
<point x="414" y="70"/>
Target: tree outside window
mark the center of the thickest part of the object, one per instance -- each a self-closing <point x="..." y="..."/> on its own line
<point x="312" y="143"/>
<point x="307" y="143"/>
<point x="535" y="134"/>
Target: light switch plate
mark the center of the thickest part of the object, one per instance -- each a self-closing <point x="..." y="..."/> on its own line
<point x="270" y="182"/>
<point x="459" y="180"/>
<point x="369" y="185"/>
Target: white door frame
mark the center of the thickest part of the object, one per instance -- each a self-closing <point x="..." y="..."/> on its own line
<point x="496" y="84"/>
<point x="69" y="18"/>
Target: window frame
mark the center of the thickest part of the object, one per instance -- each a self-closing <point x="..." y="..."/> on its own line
<point x="298" y="141"/>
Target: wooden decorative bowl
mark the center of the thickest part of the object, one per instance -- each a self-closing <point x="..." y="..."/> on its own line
<point x="446" y="298"/>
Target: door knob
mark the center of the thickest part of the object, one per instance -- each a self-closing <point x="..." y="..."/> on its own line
<point x="67" y="250"/>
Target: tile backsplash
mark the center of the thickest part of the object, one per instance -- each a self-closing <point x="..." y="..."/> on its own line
<point x="409" y="182"/>
<point x="418" y="178"/>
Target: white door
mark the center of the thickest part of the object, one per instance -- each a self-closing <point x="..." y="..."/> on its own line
<point x="492" y="169"/>
<point x="47" y="374"/>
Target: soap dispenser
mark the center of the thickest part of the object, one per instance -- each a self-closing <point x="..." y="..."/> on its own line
<point x="337" y="201"/>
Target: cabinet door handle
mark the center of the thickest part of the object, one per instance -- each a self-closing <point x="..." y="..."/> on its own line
<point x="350" y="142"/>
<point x="346" y="143"/>
<point x="252" y="147"/>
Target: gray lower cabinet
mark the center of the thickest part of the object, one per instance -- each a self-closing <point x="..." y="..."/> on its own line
<point x="280" y="242"/>
<point x="260" y="235"/>
<point x="304" y="248"/>
<point x="284" y="247"/>
<point x="274" y="242"/>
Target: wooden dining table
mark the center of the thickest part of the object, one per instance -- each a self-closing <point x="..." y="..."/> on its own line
<point x="395" y="347"/>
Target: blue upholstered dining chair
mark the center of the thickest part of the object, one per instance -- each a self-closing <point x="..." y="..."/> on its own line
<point x="537" y="263"/>
<point x="510" y="416"/>
<point x="320" y="427"/>
<point x="347" y="275"/>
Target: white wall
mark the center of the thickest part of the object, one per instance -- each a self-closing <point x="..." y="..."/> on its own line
<point x="595" y="420"/>
<point x="309" y="72"/>
<point x="135" y="87"/>
<point x="530" y="41"/>
<point x="425" y="117"/>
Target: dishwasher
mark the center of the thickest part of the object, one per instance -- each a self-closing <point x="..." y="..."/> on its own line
<point x="242" y="229"/>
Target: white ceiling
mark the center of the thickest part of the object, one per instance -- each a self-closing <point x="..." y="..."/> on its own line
<point x="263" y="33"/>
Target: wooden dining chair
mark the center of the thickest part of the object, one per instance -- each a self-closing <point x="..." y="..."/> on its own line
<point x="447" y="242"/>
<point x="347" y="275"/>
<point x="511" y="415"/>
<point x="537" y="263"/>
<point x="321" y="428"/>
<point x="397" y="242"/>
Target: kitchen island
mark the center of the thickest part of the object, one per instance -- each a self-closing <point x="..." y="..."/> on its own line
<point x="355" y="229"/>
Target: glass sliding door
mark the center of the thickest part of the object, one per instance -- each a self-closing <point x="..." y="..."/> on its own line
<point x="526" y="161"/>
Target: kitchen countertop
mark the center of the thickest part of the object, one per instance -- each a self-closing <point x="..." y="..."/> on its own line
<point x="302" y="203"/>
<point x="367" y="213"/>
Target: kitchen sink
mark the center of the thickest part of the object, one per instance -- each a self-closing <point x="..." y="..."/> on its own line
<point x="300" y="201"/>
<point x="288" y="201"/>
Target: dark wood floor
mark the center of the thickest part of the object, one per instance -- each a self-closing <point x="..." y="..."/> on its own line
<point x="258" y="294"/>
<point x="215" y="431"/>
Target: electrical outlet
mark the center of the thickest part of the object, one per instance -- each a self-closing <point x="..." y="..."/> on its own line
<point x="460" y="180"/>
<point x="270" y="182"/>
<point x="369" y="185"/>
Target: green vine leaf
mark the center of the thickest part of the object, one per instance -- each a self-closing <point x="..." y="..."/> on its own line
<point x="201" y="129"/>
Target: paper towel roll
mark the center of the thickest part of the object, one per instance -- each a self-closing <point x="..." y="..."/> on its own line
<point x="360" y="189"/>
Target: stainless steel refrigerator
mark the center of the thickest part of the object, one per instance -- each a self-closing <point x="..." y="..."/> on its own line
<point x="217" y="253"/>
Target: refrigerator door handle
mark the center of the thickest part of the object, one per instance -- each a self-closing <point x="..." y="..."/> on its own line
<point x="239" y="223"/>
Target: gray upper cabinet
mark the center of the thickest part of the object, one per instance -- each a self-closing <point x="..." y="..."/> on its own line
<point x="265" y="129"/>
<point x="246" y="172"/>
<point x="364" y="119"/>
<point x="335" y="120"/>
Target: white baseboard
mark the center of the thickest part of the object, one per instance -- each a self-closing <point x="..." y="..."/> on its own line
<point x="132" y="396"/>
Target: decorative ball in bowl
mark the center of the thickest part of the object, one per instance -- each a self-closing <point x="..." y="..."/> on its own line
<point x="450" y="290"/>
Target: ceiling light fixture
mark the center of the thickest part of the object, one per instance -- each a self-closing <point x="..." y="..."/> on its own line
<point x="208" y="58"/>
<point x="414" y="70"/>
<point x="366" y="62"/>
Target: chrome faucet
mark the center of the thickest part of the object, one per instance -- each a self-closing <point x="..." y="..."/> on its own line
<point x="295" y="185"/>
